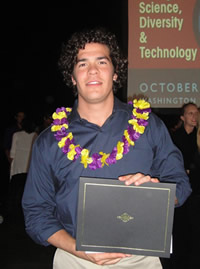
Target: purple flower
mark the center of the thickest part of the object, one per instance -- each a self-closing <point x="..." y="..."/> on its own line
<point x="56" y="122"/>
<point x="96" y="162"/>
<point x="112" y="158"/>
<point x="63" y="121"/>
<point x="126" y="145"/>
<point x="142" y="122"/>
<point x="60" y="109"/>
<point x="61" y="133"/>
<point x="133" y="117"/>
<point x="141" y="111"/>
<point x="68" y="142"/>
<point x="78" y="153"/>
<point x="133" y="134"/>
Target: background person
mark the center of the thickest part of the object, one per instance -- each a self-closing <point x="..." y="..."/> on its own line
<point x="185" y="230"/>
<point x="20" y="154"/>
<point x="15" y="127"/>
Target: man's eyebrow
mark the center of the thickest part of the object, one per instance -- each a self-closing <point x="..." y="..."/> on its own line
<point x="81" y="60"/>
<point x="98" y="58"/>
<point x="103" y="57"/>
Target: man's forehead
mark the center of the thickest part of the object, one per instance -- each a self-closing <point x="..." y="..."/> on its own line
<point x="191" y="108"/>
<point x="94" y="48"/>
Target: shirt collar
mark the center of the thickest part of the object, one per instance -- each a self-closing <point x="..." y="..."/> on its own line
<point x="190" y="134"/>
<point x="118" y="106"/>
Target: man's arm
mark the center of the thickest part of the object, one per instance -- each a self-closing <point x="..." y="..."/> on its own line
<point x="39" y="197"/>
<point x="168" y="165"/>
<point x="63" y="240"/>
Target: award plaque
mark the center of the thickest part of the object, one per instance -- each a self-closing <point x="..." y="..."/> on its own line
<point x="113" y="217"/>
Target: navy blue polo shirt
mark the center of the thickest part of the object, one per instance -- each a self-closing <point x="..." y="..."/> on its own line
<point x="50" y="196"/>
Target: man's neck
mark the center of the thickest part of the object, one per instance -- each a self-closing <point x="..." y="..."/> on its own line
<point x="96" y="113"/>
<point x="188" y="129"/>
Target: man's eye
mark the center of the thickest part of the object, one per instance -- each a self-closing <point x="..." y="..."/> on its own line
<point x="82" y="65"/>
<point x="102" y="62"/>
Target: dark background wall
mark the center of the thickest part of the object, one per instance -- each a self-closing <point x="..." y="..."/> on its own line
<point x="30" y="43"/>
<point x="31" y="39"/>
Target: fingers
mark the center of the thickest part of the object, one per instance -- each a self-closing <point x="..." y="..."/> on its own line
<point x="106" y="258"/>
<point x="137" y="179"/>
<point x="109" y="261"/>
<point x="176" y="201"/>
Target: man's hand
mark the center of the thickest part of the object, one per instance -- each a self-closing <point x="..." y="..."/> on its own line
<point x="61" y="239"/>
<point x="137" y="179"/>
<point x="102" y="258"/>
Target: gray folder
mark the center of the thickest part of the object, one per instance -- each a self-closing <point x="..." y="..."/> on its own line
<point x="113" y="217"/>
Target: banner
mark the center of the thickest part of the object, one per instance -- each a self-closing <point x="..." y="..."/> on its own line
<point x="164" y="51"/>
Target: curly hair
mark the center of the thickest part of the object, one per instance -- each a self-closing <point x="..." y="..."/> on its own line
<point x="70" y="49"/>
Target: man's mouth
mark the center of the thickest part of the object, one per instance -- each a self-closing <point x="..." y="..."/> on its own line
<point x="94" y="83"/>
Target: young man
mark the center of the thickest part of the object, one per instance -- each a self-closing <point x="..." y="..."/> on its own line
<point x="100" y="137"/>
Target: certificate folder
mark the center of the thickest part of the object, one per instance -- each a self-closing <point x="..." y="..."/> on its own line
<point x="113" y="217"/>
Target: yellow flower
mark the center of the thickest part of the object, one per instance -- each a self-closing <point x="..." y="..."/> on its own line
<point x="61" y="143"/>
<point x="128" y="138"/>
<point x="72" y="152"/>
<point x="139" y="129"/>
<point x="141" y="104"/>
<point x="60" y="115"/>
<point x="55" y="128"/>
<point x="70" y="136"/>
<point x="143" y="116"/>
<point x="68" y="109"/>
<point x="120" y="150"/>
<point x="104" y="157"/>
<point x="65" y="125"/>
<point x="85" y="159"/>
<point x="132" y="121"/>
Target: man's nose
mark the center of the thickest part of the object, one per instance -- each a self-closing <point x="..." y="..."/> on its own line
<point x="93" y="69"/>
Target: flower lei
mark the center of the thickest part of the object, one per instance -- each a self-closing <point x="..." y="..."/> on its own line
<point x="136" y="127"/>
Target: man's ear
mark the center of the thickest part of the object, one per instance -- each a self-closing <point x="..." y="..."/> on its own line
<point x="73" y="80"/>
<point x="182" y="118"/>
<point x="115" y="77"/>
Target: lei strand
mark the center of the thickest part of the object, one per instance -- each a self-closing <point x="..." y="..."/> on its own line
<point x="136" y="127"/>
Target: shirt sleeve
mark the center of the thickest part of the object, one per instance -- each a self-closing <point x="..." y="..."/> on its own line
<point x="13" y="146"/>
<point x="168" y="163"/>
<point x="39" y="197"/>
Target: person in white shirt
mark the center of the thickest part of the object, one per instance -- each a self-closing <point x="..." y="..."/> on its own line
<point x="20" y="155"/>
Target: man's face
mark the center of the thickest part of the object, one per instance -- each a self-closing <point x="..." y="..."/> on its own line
<point x="190" y="116"/>
<point x="94" y="73"/>
<point x="19" y="117"/>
